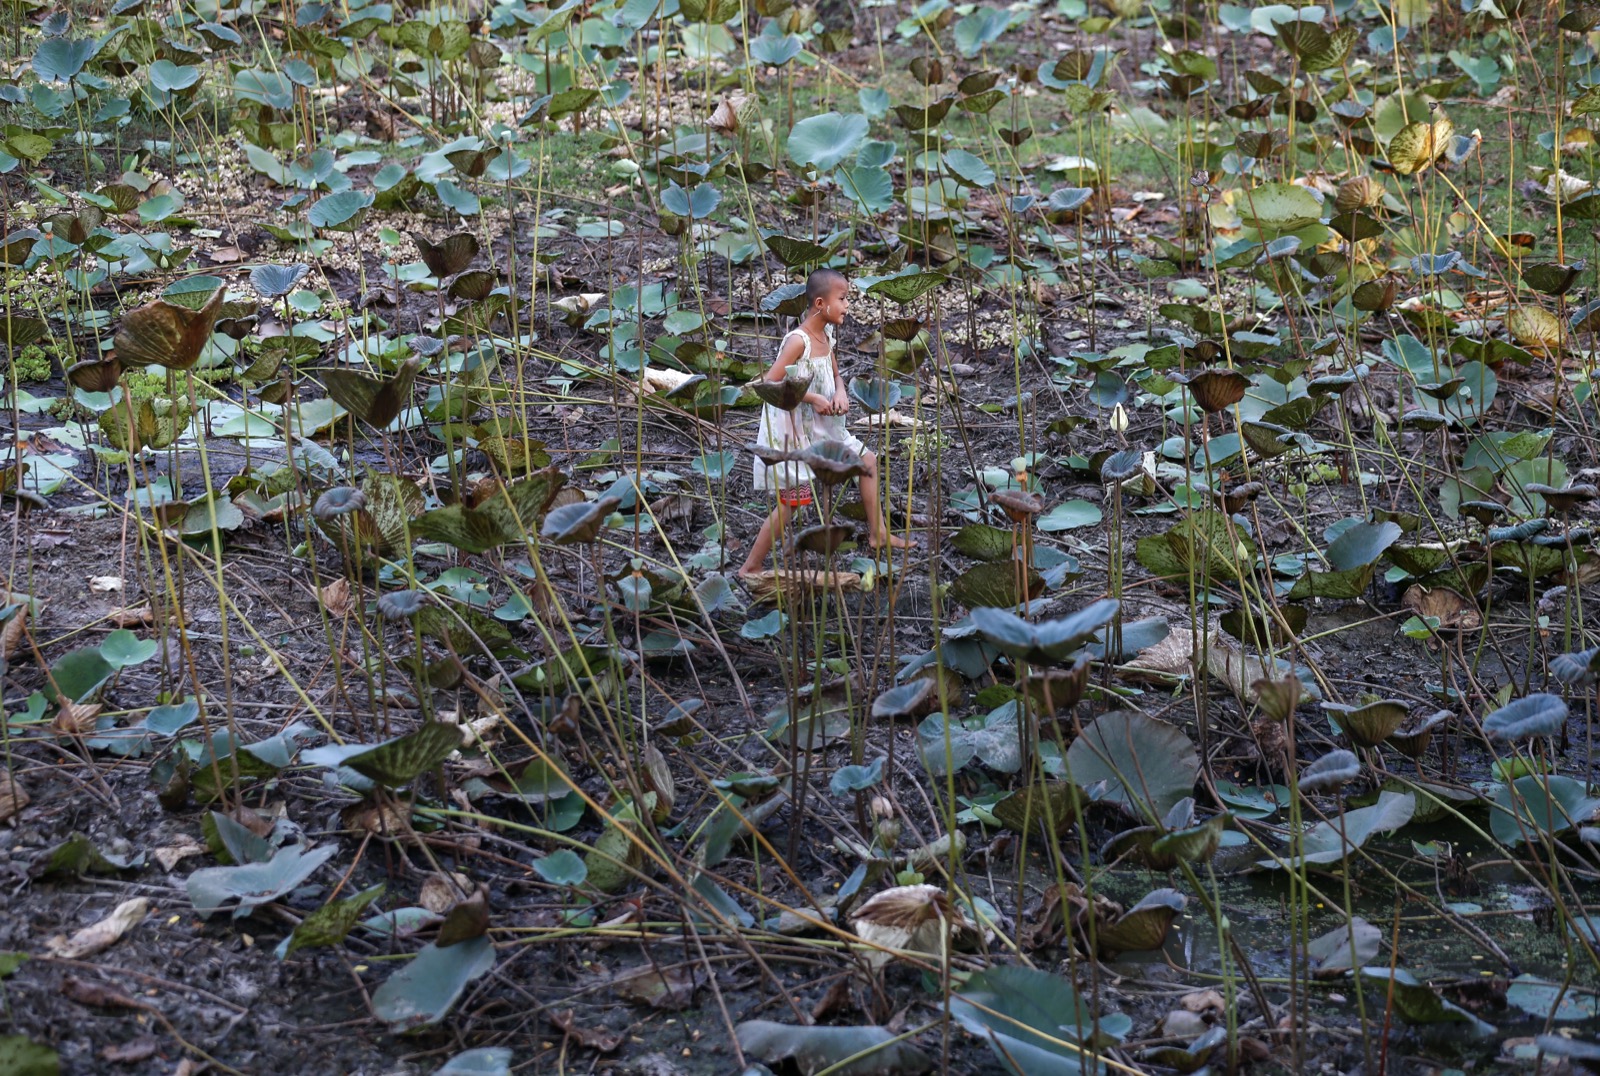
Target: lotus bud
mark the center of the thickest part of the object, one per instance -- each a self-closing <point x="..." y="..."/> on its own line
<point x="1119" y="419"/>
<point x="889" y="830"/>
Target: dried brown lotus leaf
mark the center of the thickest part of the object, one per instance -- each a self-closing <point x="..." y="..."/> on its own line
<point x="13" y="797"/>
<point x="911" y="918"/>
<point x="1453" y="611"/>
<point x="12" y="633"/>
<point x="163" y="333"/>
<point x="1534" y="327"/>
<point x="76" y="718"/>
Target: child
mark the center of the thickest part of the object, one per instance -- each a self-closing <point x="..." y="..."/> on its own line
<point x="819" y="417"/>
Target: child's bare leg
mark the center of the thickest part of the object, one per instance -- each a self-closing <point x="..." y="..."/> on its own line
<point x="775" y="523"/>
<point x="878" y="532"/>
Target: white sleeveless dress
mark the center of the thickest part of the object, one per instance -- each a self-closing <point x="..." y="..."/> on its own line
<point x="797" y="430"/>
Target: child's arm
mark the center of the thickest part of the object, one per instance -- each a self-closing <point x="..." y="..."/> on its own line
<point x="841" y="400"/>
<point x="789" y="351"/>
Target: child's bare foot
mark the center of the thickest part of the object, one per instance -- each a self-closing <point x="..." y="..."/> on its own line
<point x="891" y="541"/>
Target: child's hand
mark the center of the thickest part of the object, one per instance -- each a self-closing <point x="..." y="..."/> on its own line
<point x="841" y="403"/>
<point x="820" y="404"/>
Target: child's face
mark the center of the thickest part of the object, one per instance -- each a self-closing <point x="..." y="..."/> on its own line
<point x="835" y="305"/>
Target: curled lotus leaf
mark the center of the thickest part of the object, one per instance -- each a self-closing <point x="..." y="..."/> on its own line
<point x="1371" y="724"/>
<point x="1053" y="690"/>
<point x="1123" y="465"/>
<point x="1278" y="698"/>
<point x="1412" y="738"/>
<point x="450" y="255"/>
<point x="1535" y="328"/>
<point x="1441" y="390"/>
<point x="1417" y="145"/>
<point x="95" y="375"/>
<point x="833" y="462"/>
<point x="338" y="501"/>
<point x="1563" y="499"/>
<point x="276" y="281"/>
<point x="573" y="524"/>
<point x="18" y="332"/>
<point x="1215" y="390"/>
<point x="786" y="394"/>
<point x="1018" y="505"/>
<point x="1518" y="532"/>
<point x="1143" y="927"/>
<point x="771" y="456"/>
<point x="824" y="538"/>
<point x="1484" y="512"/>
<point x="401" y="604"/>
<point x="1376" y="295"/>
<point x="1577" y="669"/>
<point x="165" y="333"/>
<point x="1525" y="718"/>
<point x="1058" y="802"/>
<point x="1330" y="772"/>
<point x="1191" y="844"/>
<point x="1423" y="420"/>
<point x="1045" y="642"/>
<point x="374" y="400"/>
<point x="1136" y="844"/>
<point x="912" y="699"/>
<point x="1235" y="499"/>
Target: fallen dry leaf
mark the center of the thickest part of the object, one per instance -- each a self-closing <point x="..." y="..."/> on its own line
<point x="380" y="124"/>
<point x="593" y="1038"/>
<point x="127" y="1053"/>
<point x="725" y="120"/>
<point x="891" y="418"/>
<point x="101" y="584"/>
<point x="669" y="989"/>
<point x="13" y="797"/>
<point x="467" y="920"/>
<point x="387" y="819"/>
<point x="1454" y="612"/>
<point x="227" y="255"/>
<point x="1207" y="1003"/>
<point x="173" y="854"/>
<point x="11" y="633"/>
<point x="441" y="892"/>
<point x="916" y="918"/>
<point x="767" y="584"/>
<point x="655" y="380"/>
<point x="101" y="935"/>
<point x="1239" y="671"/>
<point x="836" y="1000"/>
<point x="1173" y="656"/>
<point x="132" y="616"/>
<point x="335" y="597"/>
<point x="104" y="995"/>
<point x="76" y="718"/>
